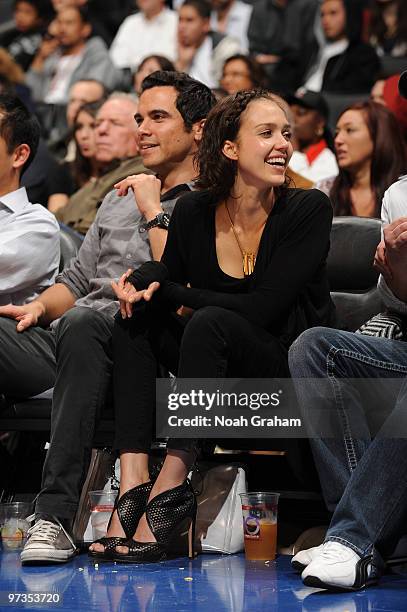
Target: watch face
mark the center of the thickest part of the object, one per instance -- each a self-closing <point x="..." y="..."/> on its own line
<point x="164" y="219"/>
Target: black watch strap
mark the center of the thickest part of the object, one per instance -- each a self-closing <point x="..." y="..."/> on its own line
<point x="161" y="220"/>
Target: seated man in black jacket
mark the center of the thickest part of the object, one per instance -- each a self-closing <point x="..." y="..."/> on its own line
<point x="343" y="63"/>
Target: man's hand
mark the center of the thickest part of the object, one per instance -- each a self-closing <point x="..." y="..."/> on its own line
<point x="395" y="241"/>
<point x="380" y="262"/>
<point x="147" y="192"/>
<point x="47" y="48"/>
<point x="128" y="295"/>
<point x="27" y="315"/>
<point x="395" y="234"/>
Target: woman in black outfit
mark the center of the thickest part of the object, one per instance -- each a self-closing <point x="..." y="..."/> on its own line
<point x="247" y="255"/>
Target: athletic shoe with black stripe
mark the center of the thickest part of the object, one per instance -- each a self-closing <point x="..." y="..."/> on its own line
<point x="339" y="568"/>
<point x="304" y="557"/>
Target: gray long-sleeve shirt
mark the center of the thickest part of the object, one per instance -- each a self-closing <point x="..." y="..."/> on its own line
<point x="112" y="245"/>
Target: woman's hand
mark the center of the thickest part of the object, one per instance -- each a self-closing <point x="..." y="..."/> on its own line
<point x="128" y="295"/>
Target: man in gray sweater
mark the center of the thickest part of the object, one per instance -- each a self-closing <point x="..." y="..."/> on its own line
<point x="70" y="57"/>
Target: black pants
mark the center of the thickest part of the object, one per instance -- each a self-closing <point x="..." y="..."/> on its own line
<point x="214" y="343"/>
<point x="76" y="361"/>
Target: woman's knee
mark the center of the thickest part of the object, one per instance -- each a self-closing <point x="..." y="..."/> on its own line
<point x="207" y="325"/>
<point x="206" y="319"/>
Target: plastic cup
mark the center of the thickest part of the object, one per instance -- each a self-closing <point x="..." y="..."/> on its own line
<point x="101" y="507"/>
<point x="260" y="525"/>
<point x="13" y="524"/>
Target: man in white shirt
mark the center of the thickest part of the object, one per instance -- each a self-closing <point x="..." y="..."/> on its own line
<point x="363" y="479"/>
<point x="151" y="31"/>
<point x="29" y="234"/>
<point x="232" y="17"/>
<point x="202" y="53"/>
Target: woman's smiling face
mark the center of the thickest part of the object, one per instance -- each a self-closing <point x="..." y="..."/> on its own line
<point x="263" y="146"/>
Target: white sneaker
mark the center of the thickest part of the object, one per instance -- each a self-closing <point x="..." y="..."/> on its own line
<point x="47" y="542"/>
<point x="304" y="557"/>
<point x="338" y="567"/>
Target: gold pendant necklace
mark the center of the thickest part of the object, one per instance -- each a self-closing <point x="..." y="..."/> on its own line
<point x="249" y="258"/>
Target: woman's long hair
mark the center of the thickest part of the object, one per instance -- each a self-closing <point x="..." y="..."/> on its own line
<point x="377" y="26"/>
<point x="388" y="159"/>
<point x="81" y="168"/>
<point x="217" y="173"/>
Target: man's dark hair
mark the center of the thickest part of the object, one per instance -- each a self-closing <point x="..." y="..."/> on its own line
<point x="202" y="7"/>
<point x="18" y="126"/>
<point x="194" y="100"/>
<point x="82" y="11"/>
<point x="43" y="7"/>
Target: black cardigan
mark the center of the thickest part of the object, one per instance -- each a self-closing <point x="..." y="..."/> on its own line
<point x="288" y="290"/>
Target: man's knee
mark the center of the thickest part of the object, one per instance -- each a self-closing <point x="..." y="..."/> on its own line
<point x="77" y="317"/>
<point x="79" y="324"/>
<point x="311" y="343"/>
<point x="8" y="331"/>
<point x="27" y="359"/>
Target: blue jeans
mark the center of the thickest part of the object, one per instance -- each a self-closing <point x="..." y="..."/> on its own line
<point x="364" y="480"/>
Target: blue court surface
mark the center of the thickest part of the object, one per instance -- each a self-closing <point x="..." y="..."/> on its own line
<point x="209" y="583"/>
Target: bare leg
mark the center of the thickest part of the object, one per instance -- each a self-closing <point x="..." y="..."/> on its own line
<point x="133" y="472"/>
<point x="173" y="473"/>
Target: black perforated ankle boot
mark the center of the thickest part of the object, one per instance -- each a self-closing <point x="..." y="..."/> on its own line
<point x="130" y="508"/>
<point x="168" y="514"/>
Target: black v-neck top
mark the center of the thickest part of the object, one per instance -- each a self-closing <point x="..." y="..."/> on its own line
<point x="288" y="290"/>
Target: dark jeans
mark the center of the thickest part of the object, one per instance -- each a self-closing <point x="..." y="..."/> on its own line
<point x="214" y="343"/>
<point x="363" y="480"/>
<point x="76" y="361"/>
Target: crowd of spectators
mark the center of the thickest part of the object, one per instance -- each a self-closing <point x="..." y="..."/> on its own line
<point x="89" y="76"/>
<point x="59" y="55"/>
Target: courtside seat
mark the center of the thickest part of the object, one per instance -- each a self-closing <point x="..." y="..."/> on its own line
<point x="352" y="278"/>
